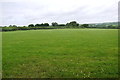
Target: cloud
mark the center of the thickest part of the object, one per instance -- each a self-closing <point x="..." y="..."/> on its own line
<point x="24" y="12"/>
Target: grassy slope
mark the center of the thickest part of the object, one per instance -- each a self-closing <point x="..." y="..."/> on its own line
<point x="60" y="53"/>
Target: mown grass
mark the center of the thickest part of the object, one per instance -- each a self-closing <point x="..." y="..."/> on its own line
<point x="62" y="53"/>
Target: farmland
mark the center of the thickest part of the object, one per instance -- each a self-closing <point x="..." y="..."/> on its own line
<point x="60" y="53"/>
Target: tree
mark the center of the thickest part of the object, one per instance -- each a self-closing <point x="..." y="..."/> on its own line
<point x="54" y="24"/>
<point x="61" y="25"/>
<point x="14" y="26"/>
<point x="46" y="24"/>
<point x="85" y="25"/>
<point x="42" y="24"/>
<point x="10" y="25"/>
<point x="37" y="25"/>
<point x="72" y="24"/>
<point x="31" y="25"/>
<point x="112" y="26"/>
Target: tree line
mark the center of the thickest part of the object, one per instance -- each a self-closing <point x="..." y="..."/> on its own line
<point x="55" y="25"/>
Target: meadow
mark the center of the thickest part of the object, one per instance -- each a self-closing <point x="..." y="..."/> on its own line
<point x="60" y="53"/>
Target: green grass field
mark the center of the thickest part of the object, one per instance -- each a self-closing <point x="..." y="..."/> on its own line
<point x="60" y="53"/>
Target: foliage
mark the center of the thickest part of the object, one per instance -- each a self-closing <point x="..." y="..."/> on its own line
<point x="73" y="24"/>
<point x="54" y="24"/>
<point x="85" y="25"/>
<point x="31" y="25"/>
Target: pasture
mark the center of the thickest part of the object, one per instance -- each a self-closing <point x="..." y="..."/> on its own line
<point x="60" y="53"/>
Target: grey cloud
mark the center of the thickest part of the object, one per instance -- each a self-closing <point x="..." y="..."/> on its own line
<point x="22" y="13"/>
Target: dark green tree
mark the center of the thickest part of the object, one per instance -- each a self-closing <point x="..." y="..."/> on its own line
<point x="46" y="24"/>
<point x="37" y="25"/>
<point x="61" y="25"/>
<point x="73" y="24"/>
<point x="85" y="25"/>
<point x="54" y="24"/>
<point x="31" y="25"/>
<point x="14" y="26"/>
<point x="10" y="26"/>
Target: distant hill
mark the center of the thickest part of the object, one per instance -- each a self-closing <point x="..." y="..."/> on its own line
<point x="106" y="24"/>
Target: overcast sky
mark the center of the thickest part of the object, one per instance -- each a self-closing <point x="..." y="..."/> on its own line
<point x="24" y="12"/>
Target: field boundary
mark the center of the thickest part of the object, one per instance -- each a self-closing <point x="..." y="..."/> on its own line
<point x="0" y="53"/>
